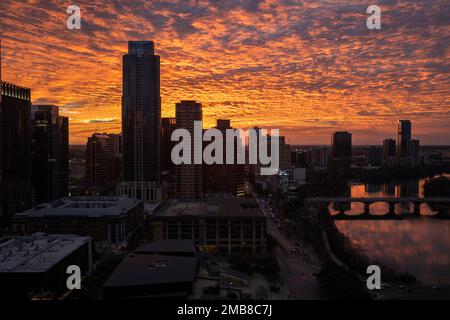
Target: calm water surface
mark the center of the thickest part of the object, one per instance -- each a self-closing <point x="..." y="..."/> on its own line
<point x="420" y="246"/>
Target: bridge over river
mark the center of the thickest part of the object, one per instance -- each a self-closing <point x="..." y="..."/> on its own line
<point x="440" y="205"/>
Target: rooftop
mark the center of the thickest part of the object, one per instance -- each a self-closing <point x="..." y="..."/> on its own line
<point x="212" y="207"/>
<point x="143" y="269"/>
<point x="15" y="91"/>
<point x="37" y="253"/>
<point x="83" y="206"/>
<point x="167" y="246"/>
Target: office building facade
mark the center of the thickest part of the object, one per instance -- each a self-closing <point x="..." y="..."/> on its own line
<point x="220" y="225"/>
<point x="225" y="178"/>
<point x="341" y="150"/>
<point x="49" y="154"/>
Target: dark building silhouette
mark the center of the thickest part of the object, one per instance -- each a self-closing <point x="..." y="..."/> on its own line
<point x="318" y="157"/>
<point x="341" y="150"/>
<point x="403" y="138"/>
<point x="116" y="139"/>
<point x="224" y="178"/>
<point x="389" y="148"/>
<point x="375" y="156"/>
<point x="117" y="143"/>
<point x="189" y="177"/>
<point x="49" y="154"/>
<point x="15" y="132"/>
<point x="101" y="164"/>
<point x="285" y="153"/>
<point x="414" y="148"/>
<point x="168" y="125"/>
<point x="141" y="121"/>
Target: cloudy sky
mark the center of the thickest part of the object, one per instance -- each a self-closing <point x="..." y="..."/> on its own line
<point x="306" y="67"/>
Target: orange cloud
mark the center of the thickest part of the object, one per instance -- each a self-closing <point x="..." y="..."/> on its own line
<point x="309" y="68"/>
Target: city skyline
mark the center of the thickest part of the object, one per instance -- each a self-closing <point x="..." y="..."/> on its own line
<point x="321" y="77"/>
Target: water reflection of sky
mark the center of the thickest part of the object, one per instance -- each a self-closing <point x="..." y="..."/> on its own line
<point x="420" y="246"/>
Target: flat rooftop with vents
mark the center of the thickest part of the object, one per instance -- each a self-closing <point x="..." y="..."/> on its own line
<point x="110" y="221"/>
<point x="226" y="207"/>
<point x="83" y="206"/>
<point x="37" y="253"/>
<point x="143" y="275"/>
<point x="36" y="266"/>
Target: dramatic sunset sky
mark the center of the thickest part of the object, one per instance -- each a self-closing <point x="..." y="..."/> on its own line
<point x="306" y="67"/>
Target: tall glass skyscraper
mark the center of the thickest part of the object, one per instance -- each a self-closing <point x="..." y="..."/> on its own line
<point x="404" y="138"/>
<point x="141" y="120"/>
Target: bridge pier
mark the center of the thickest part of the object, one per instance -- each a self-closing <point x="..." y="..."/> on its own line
<point x="391" y="208"/>
<point x="416" y="208"/>
<point x="367" y="208"/>
<point x="341" y="208"/>
<point x="341" y="205"/>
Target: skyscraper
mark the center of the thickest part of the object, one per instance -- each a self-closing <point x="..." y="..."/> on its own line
<point x="15" y="165"/>
<point x="189" y="176"/>
<point x="49" y="154"/>
<point x="141" y="121"/>
<point x="15" y="123"/>
<point x="403" y="138"/>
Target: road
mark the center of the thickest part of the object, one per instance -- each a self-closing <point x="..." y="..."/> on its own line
<point x="297" y="271"/>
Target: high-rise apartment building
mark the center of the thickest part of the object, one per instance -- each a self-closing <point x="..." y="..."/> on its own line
<point x="101" y="164"/>
<point x="141" y="122"/>
<point x="189" y="177"/>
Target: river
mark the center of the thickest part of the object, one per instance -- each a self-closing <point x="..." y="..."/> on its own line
<point x="420" y="246"/>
